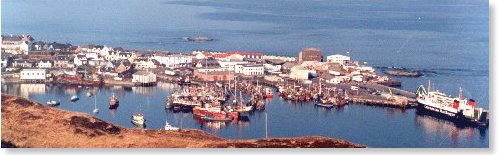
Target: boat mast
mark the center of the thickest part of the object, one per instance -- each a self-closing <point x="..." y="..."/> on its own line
<point x="429" y="86"/>
<point x="266" y="124"/>
<point x="460" y="93"/>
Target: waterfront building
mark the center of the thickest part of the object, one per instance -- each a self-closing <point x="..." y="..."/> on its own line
<point x="337" y="58"/>
<point x="15" y="44"/>
<point x="33" y="75"/>
<point x="247" y="55"/>
<point x="250" y="69"/>
<point x="144" y="78"/>
<point x="310" y="54"/>
<point x="277" y="57"/>
<point x="44" y="64"/>
<point x="173" y="60"/>
<point x="230" y="65"/>
<point x="213" y="76"/>
<point x="299" y="72"/>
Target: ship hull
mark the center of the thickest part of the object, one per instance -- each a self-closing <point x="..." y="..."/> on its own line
<point x="458" y="118"/>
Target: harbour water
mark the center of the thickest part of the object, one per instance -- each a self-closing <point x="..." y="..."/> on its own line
<point x="447" y="40"/>
<point x="372" y="126"/>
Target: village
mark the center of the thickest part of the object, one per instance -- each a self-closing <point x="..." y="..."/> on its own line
<point x="25" y="60"/>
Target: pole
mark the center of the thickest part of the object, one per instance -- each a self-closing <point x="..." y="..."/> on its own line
<point x="266" y="124"/>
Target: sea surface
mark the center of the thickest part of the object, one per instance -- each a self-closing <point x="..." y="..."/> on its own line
<point x="446" y="40"/>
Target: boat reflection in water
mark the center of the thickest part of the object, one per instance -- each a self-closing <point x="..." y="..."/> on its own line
<point x="445" y="128"/>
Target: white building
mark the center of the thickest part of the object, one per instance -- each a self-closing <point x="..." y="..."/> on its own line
<point x="273" y="68"/>
<point x="230" y="65"/>
<point x="144" y="78"/>
<point x="44" y="64"/>
<point x="15" y="44"/>
<point x="283" y="58"/>
<point x="33" y="74"/>
<point x="337" y="58"/>
<point x="173" y="61"/>
<point x="250" y="69"/>
<point x="145" y="64"/>
<point x="299" y="72"/>
<point x="357" y="78"/>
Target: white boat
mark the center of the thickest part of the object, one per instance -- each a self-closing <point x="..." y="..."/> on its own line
<point x="74" y="98"/>
<point x="138" y="119"/>
<point x="89" y="94"/>
<point x="53" y="103"/>
<point x="456" y="108"/>
<point x="169" y="127"/>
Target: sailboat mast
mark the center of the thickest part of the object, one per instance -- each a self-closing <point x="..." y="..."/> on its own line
<point x="429" y="86"/>
<point x="266" y="124"/>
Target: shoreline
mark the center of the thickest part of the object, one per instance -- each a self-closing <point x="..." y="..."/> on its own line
<point x="27" y="124"/>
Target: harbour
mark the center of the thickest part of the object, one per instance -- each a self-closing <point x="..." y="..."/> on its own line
<point x="352" y="122"/>
<point x="242" y="70"/>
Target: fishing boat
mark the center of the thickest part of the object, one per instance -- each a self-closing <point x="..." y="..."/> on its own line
<point x="114" y="102"/>
<point x="457" y="109"/>
<point x="268" y="93"/>
<point x="53" y="103"/>
<point x="167" y="126"/>
<point x="328" y="106"/>
<point x="218" y="116"/>
<point x="74" y="98"/>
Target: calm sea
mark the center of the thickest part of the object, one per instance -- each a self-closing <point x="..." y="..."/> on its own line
<point x="447" y="40"/>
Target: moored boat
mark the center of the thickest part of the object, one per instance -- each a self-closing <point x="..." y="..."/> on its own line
<point x="53" y="103"/>
<point x="167" y="126"/>
<point x="458" y="109"/>
<point x="138" y="119"/>
<point x="114" y="102"/>
<point x="328" y="106"/>
<point x="268" y="93"/>
<point x="74" y="98"/>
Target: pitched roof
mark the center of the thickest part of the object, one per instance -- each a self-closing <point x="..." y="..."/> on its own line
<point x="11" y="38"/>
<point x="245" y="53"/>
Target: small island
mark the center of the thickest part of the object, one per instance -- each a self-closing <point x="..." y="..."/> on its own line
<point x="403" y="72"/>
<point x="198" y="39"/>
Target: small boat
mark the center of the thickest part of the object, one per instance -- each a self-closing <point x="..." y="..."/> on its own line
<point x="169" y="127"/>
<point x="268" y="93"/>
<point x="53" y="103"/>
<point x="74" y="98"/>
<point x="169" y="103"/>
<point x="113" y="103"/>
<point x="328" y="106"/>
<point x="89" y="94"/>
<point x="138" y="119"/>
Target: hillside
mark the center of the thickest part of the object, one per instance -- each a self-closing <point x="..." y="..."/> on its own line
<point x="29" y="124"/>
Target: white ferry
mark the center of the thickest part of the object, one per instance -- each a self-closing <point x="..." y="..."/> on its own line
<point x="455" y="108"/>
